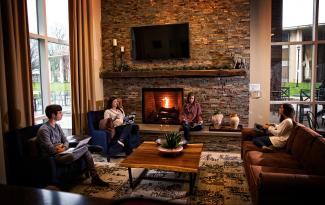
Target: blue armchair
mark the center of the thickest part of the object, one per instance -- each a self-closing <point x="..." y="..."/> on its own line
<point x="99" y="137"/>
<point x="26" y="166"/>
<point x="104" y="138"/>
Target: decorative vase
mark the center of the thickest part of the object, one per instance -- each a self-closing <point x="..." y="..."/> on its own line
<point x="216" y="120"/>
<point x="234" y="121"/>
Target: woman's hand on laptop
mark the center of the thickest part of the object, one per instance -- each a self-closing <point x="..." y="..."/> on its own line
<point x="59" y="148"/>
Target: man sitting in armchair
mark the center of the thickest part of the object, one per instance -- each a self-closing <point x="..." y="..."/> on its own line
<point x="52" y="142"/>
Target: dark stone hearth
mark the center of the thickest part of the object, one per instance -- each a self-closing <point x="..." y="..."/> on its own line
<point x="227" y="94"/>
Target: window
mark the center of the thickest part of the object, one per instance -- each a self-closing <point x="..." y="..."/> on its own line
<point x="298" y="58"/>
<point x="50" y="59"/>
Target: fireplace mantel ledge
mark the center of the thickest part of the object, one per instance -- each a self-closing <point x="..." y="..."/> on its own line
<point x="107" y="74"/>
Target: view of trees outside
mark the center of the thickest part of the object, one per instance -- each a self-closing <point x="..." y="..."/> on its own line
<point x="292" y="57"/>
<point x="51" y="38"/>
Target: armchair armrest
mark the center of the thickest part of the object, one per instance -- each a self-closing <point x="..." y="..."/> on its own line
<point x="101" y="138"/>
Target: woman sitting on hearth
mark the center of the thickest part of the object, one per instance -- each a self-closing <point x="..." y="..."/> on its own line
<point x="126" y="135"/>
<point x="191" y="116"/>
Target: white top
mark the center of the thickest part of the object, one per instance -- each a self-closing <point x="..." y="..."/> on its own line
<point x="116" y="115"/>
<point x="281" y="133"/>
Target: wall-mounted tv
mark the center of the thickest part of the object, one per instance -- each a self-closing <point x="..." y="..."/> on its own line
<point x="160" y="42"/>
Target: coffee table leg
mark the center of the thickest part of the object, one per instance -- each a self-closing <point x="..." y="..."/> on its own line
<point x="192" y="182"/>
<point x="130" y="177"/>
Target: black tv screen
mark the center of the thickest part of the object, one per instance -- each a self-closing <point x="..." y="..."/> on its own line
<point x="160" y="42"/>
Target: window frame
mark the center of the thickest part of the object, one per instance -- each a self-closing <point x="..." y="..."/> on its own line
<point x="314" y="43"/>
<point x="43" y="41"/>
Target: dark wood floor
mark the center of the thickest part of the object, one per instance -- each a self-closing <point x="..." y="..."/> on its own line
<point x="15" y="195"/>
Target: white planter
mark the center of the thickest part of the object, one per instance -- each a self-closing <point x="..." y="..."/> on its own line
<point x="234" y="121"/>
<point x="217" y="120"/>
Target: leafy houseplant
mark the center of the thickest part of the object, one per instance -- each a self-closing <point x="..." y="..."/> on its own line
<point x="173" y="140"/>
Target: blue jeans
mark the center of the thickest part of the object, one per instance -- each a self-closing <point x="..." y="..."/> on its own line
<point x="262" y="141"/>
<point x="187" y="128"/>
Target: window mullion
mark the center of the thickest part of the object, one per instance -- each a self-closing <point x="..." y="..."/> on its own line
<point x="45" y="72"/>
<point x="314" y="54"/>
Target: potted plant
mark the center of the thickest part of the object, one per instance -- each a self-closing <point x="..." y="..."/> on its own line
<point x="173" y="140"/>
<point x="172" y="145"/>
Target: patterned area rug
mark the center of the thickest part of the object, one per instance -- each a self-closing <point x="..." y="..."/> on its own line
<point x="221" y="180"/>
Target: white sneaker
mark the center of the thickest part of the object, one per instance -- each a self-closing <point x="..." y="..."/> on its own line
<point x="121" y="143"/>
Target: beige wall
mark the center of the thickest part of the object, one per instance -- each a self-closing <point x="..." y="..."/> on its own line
<point x="260" y="61"/>
<point x="97" y="36"/>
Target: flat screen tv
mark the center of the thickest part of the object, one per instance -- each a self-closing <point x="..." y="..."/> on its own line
<point x="160" y="42"/>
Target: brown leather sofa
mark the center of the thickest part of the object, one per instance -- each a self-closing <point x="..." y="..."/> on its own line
<point x="292" y="175"/>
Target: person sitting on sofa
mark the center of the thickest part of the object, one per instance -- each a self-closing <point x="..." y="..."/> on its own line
<point x="52" y="142"/>
<point x="280" y="132"/>
<point x="114" y="116"/>
<point x="191" y="116"/>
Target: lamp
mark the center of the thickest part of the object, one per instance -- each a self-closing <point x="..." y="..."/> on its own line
<point x="114" y="53"/>
<point x="121" y="58"/>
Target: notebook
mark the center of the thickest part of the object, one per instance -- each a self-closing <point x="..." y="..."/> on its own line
<point x="80" y="144"/>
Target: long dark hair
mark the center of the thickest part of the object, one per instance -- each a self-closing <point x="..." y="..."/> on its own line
<point x="288" y="111"/>
<point x="189" y="96"/>
<point x="109" y="103"/>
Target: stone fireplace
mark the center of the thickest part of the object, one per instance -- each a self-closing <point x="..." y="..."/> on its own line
<point x="161" y="105"/>
<point x="218" y="30"/>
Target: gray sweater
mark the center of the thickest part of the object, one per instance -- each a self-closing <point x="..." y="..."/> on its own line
<point x="48" y="137"/>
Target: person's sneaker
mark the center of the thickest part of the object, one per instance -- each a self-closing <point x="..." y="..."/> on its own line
<point x="185" y="142"/>
<point x="121" y="143"/>
<point x="267" y="149"/>
<point x="98" y="181"/>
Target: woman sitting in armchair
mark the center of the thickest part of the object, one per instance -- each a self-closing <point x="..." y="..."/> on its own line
<point x="126" y="135"/>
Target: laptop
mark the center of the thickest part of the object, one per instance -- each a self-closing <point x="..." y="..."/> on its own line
<point x="80" y="144"/>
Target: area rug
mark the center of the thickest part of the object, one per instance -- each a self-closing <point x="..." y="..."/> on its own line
<point x="221" y="180"/>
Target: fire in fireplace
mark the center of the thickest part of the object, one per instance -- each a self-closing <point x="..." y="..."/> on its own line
<point x="161" y="105"/>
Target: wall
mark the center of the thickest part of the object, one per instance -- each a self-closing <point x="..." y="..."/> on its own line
<point x="260" y="62"/>
<point x="218" y="29"/>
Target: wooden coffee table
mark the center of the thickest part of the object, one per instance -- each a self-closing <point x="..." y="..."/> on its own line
<point x="147" y="156"/>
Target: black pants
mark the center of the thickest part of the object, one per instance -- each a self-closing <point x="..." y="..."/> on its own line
<point x="187" y="128"/>
<point x="262" y="141"/>
<point x="81" y="152"/>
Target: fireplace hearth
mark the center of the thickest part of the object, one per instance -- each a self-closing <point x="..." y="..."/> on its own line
<point x="161" y="105"/>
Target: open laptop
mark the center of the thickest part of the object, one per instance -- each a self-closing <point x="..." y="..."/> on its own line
<point x="80" y="144"/>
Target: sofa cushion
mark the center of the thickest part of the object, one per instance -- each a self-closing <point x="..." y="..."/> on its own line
<point x="249" y="146"/>
<point x="314" y="159"/>
<point x="278" y="159"/>
<point x="292" y="136"/>
<point x="257" y="170"/>
<point x="302" y="143"/>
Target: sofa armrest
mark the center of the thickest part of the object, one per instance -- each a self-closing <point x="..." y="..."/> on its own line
<point x="283" y="182"/>
<point x="248" y="134"/>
